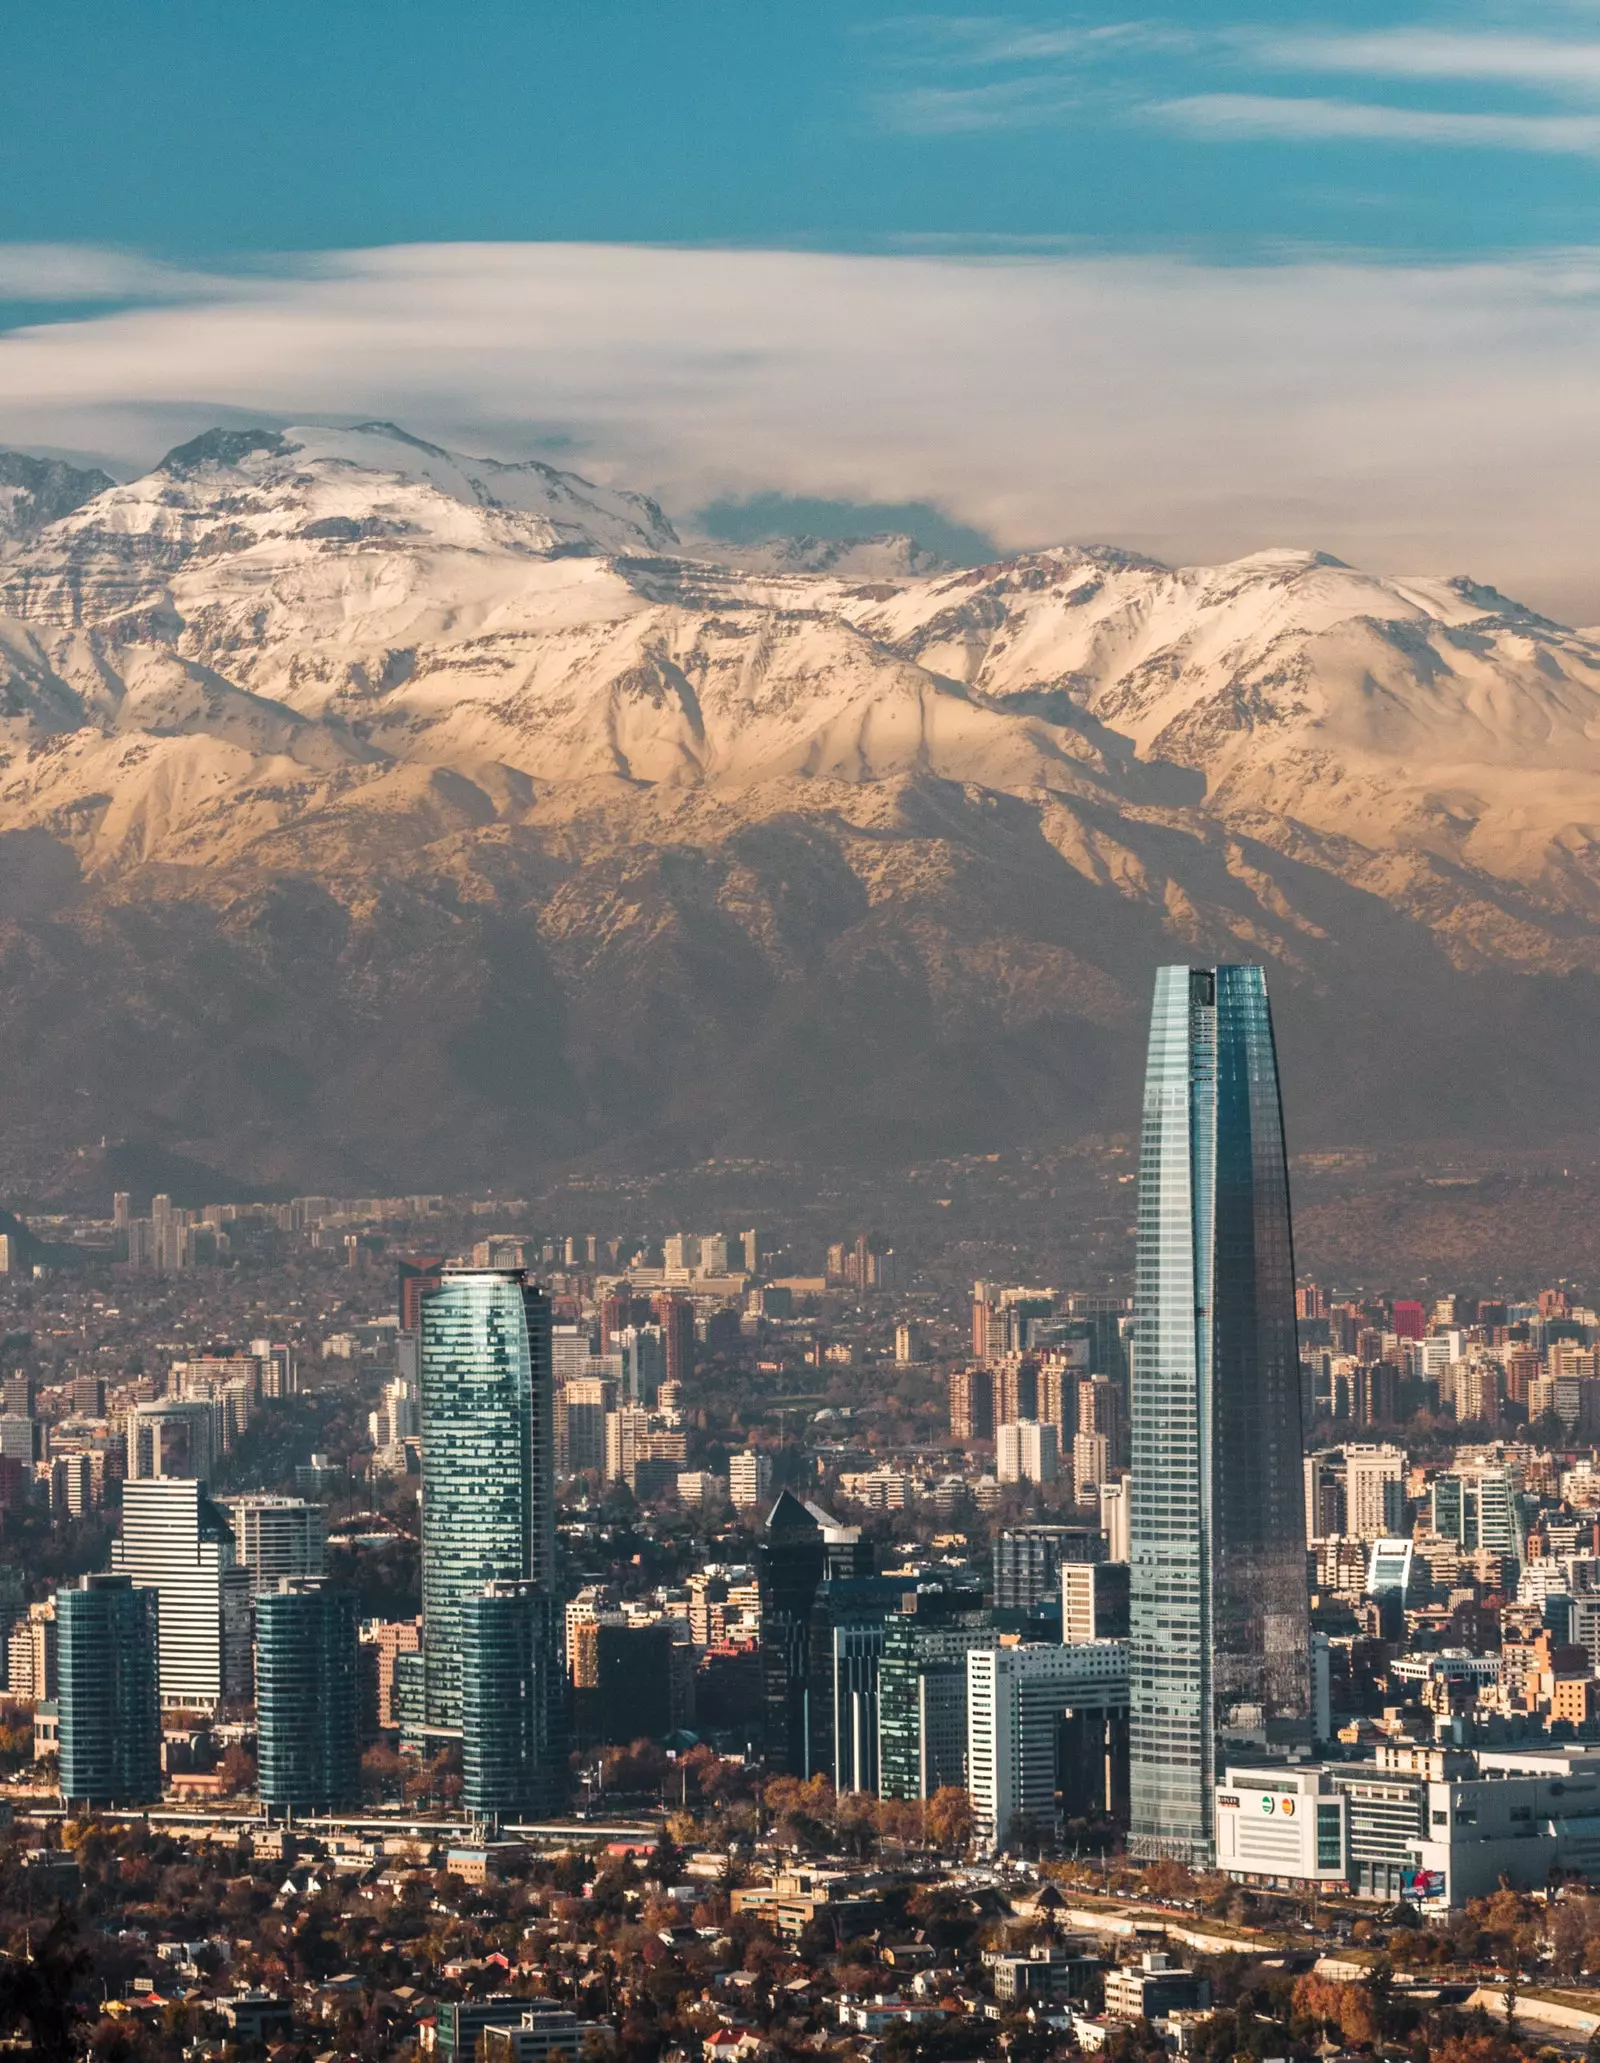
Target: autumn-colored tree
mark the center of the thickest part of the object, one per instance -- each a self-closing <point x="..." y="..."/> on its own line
<point x="1350" y="2008"/>
<point x="949" y="1820"/>
<point x="1167" y="1879"/>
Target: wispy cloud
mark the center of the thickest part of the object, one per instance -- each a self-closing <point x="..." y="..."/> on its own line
<point x="1265" y="117"/>
<point x="80" y="272"/>
<point x="1564" y="68"/>
<point x="977" y="73"/>
<point x="1408" y="418"/>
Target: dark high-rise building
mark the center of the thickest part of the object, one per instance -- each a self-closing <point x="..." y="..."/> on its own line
<point x="417" y="1277"/>
<point x="844" y="1643"/>
<point x="1220" y="1623"/>
<point x="488" y="1457"/>
<point x="513" y="1701"/>
<point x="972" y="1404"/>
<point x="675" y="1316"/>
<point x="802" y="1546"/>
<point x="308" y="1697"/>
<point x="109" y="1692"/>
<point x="1027" y="1561"/>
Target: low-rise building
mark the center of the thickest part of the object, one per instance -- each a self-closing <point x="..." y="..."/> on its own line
<point x="1153" y="1986"/>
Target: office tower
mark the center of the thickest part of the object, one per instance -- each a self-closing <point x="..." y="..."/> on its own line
<point x="31" y="1672"/>
<point x="1115" y="1520"/>
<point x="110" y="1699"/>
<point x="279" y="1374"/>
<point x="513" y="1690"/>
<point x="19" y="1439"/>
<point x="1477" y="1505"/>
<point x="681" y="1253"/>
<point x="177" y="1542"/>
<point x="644" y="1362"/>
<point x="398" y="1417"/>
<point x="121" y="1211"/>
<point x="173" y="1436"/>
<point x="1220" y="1615"/>
<point x="73" y="1489"/>
<point x="488" y="1457"/>
<point x="675" y="1317"/>
<point x="16" y="1394"/>
<point x="308" y="1698"/>
<point x="922" y="1703"/>
<point x="1094" y="1601"/>
<point x="88" y="1396"/>
<point x="849" y="1617"/>
<point x="1018" y="1705"/>
<point x="714" y="1256"/>
<point x="1027" y="1561"/>
<point x="1026" y="1452"/>
<point x="277" y="1537"/>
<point x="638" y="1439"/>
<point x="985" y="1321"/>
<point x="1100" y="1411"/>
<point x="803" y="1545"/>
<point x="1016" y="1390"/>
<point x="643" y="1680"/>
<point x="1374" y="1492"/>
<point x="971" y="1404"/>
<point x="1410" y="1320"/>
<point x="1324" y="1495"/>
<point x="389" y="1639"/>
<point x="583" y="1405"/>
<point x="416" y="1279"/>
<point x="749" y="1479"/>
<point x="750" y="1251"/>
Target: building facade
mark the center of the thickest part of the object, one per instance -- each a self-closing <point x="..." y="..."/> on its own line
<point x="488" y="1458"/>
<point x="175" y="1540"/>
<point x="1219" y="1607"/>
<point x="512" y="1693"/>
<point x="110" y="1701"/>
<point x="308" y="1697"/>
<point x="1017" y="1700"/>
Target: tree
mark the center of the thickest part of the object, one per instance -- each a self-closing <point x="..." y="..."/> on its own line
<point x="949" y="1820"/>
<point x="39" y="1990"/>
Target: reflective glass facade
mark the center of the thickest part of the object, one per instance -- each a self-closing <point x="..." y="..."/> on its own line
<point x="308" y="1702"/>
<point x="1220" y="1620"/>
<point x="512" y="1691"/>
<point x="110" y="1704"/>
<point x="488" y="1458"/>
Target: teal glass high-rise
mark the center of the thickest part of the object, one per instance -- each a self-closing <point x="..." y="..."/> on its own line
<point x="308" y="1700"/>
<point x="488" y="1458"/>
<point x="1220" y="1651"/>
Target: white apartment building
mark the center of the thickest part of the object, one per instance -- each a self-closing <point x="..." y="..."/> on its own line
<point x="749" y="1479"/>
<point x="1015" y="1699"/>
<point x="278" y="1536"/>
<point x="176" y="1541"/>
<point x="1374" y="1492"/>
<point x="1027" y="1451"/>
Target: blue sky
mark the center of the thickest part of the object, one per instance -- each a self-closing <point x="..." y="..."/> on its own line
<point x="1197" y="282"/>
<point x="198" y="127"/>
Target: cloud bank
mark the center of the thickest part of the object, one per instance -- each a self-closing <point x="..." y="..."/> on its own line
<point x="1430" y="418"/>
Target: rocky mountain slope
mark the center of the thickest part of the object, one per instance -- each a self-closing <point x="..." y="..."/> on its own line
<point x="371" y="814"/>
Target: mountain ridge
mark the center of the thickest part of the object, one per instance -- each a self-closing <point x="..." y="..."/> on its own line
<point x="373" y="813"/>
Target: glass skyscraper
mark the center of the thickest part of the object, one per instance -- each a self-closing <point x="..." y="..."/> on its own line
<point x="308" y="1697"/>
<point x="488" y="1458"/>
<point x="1220" y="1617"/>
<point x="110" y="1703"/>
<point x="513" y="1694"/>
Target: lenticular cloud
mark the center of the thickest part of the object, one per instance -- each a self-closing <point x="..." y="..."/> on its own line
<point x="1421" y="418"/>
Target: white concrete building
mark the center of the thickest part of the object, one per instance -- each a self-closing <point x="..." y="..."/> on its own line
<point x="1015" y="1700"/>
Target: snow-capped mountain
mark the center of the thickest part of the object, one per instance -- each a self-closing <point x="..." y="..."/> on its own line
<point x="370" y="809"/>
